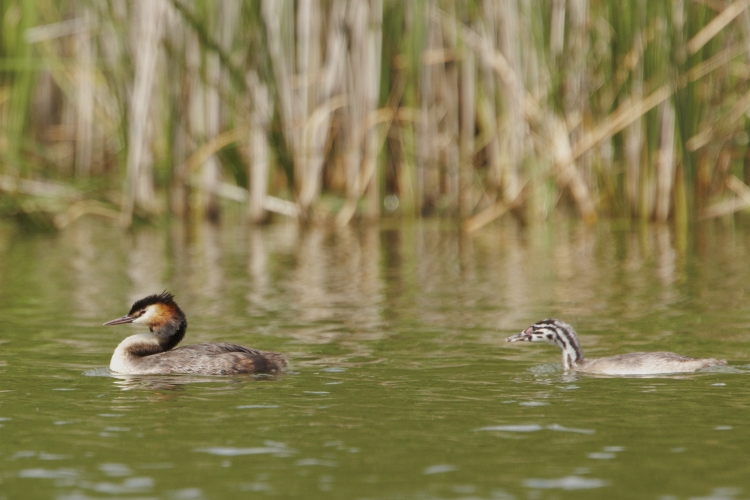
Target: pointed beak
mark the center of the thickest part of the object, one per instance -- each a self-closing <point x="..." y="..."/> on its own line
<point x="524" y="336"/>
<point x="120" y="321"/>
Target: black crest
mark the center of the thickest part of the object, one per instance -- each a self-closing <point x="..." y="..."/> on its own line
<point x="164" y="298"/>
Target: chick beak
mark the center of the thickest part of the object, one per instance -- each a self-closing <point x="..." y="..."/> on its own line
<point x="120" y="321"/>
<point x="524" y="336"/>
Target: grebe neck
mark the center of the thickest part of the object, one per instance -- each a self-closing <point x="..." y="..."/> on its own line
<point x="170" y="333"/>
<point x="567" y="340"/>
<point x="160" y="338"/>
<point x="130" y="352"/>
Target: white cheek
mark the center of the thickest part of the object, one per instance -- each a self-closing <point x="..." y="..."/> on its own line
<point x="146" y="318"/>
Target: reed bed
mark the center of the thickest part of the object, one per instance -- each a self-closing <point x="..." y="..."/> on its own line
<point x="335" y="110"/>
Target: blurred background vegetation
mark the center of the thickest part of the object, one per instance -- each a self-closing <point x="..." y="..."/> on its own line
<point x="335" y="110"/>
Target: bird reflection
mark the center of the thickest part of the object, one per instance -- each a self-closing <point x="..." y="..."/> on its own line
<point x="179" y="382"/>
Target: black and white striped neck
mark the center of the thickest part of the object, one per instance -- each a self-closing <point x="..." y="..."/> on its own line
<point x="554" y="331"/>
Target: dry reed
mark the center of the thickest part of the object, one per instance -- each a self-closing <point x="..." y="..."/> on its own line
<point x="332" y="109"/>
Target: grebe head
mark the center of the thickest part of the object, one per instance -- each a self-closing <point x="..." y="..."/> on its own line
<point x="554" y="331"/>
<point x="161" y="314"/>
<point x="547" y="330"/>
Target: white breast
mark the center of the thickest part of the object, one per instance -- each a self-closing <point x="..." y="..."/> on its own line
<point x="122" y="359"/>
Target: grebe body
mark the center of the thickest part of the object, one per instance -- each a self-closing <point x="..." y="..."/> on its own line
<point x="154" y="352"/>
<point x="554" y="331"/>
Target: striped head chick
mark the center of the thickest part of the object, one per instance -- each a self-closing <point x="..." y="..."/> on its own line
<point x="554" y="331"/>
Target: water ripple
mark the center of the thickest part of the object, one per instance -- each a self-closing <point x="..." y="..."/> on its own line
<point x="512" y="428"/>
<point x="439" y="469"/>
<point x="534" y="428"/>
<point x="40" y="473"/>
<point x="566" y="483"/>
<point x="227" y="451"/>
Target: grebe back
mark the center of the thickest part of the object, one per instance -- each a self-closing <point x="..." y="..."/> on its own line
<point x="154" y="353"/>
<point x="558" y="332"/>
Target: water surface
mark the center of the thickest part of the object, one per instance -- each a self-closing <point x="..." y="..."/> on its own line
<point x="401" y="387"/>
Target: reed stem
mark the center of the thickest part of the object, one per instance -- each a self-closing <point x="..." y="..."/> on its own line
<point x="333" y="110"/>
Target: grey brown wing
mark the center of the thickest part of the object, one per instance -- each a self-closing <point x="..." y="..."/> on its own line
<point x="217" y="348"/>
<point x="223" y="358"/>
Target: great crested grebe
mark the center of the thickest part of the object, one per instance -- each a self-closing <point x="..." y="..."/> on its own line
<point x="554" y="331"/>
<point x="153" y="353"/>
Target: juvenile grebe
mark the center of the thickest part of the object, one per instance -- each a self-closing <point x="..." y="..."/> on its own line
<point x="152" y="353"/>
<point x="554" y="331"/>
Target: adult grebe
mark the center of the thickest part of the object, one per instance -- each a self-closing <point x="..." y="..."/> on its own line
<point x="152" y="353"/>
<point x="554" y="331"/>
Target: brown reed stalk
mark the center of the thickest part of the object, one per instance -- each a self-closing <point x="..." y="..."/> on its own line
<point x="307" y="92"/>
<point x="258" y="151"/>
<point x="557" y="28"/>
<point x="466" y="132"/>
<point x="577" y="77"/>
<point x="356" y="109"/>
<point x="634" y="139"/>
<point x="665" y="166"/>
<point x="85" y="90"/>
<point x="451" y="153"/>
<point x="372" y="144"/>
<point x="553" y="133"/>
<point x="139" y="191"/>
<point x="489" y="102"/>
<point x="427" y="183"/>
<point x="179" y="199"/>
<point x="626" y="113"/>
<point x="362" y="78"/>
<point x="507" y="17"/>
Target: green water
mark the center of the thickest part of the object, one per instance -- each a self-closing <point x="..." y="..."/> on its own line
<point x="402" y="386"/>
